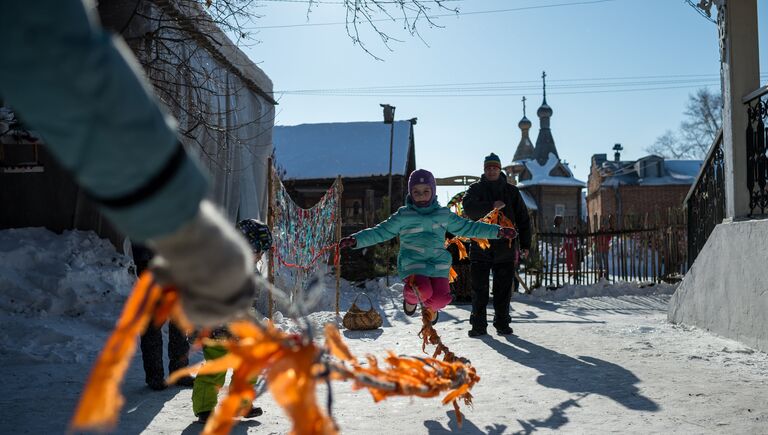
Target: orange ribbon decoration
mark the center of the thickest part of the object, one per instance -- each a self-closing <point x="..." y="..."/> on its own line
<point x="292" y="365"/>
<point x="101" y="400"/>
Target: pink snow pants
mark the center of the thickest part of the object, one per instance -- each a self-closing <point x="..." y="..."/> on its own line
<point x="434" y="292"/>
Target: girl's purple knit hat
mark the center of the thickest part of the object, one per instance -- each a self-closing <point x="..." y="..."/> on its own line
<point x="422" y="176"/>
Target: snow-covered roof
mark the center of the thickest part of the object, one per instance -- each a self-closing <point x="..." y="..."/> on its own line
<point x="684" y="169"/>
<point x="540" y="174"/>
<point x="675" y="172"/>
<point x="529" y="201"/>
<point x="349" y="149"/>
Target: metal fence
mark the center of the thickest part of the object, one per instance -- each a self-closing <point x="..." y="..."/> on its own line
<point x="649" y="248"/>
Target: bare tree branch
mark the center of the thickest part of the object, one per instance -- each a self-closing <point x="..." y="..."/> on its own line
<point x="703" y="118"/>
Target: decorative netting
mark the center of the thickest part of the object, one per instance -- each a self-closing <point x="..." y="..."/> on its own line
<point x="303" y="239"/>
<point x="455" y="204"/>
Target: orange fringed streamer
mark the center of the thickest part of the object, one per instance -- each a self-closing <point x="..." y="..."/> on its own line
<point x="101" y="401"/>
<point x="482" y="243"/>
<point x="405" y="376"/>
<point x="458" y="241"/>
<point x="495" y="216"/>
<point x="452" y="275"/>
<point x="292" y="365"/>
<point x="289" y="365"/>
<point x="430" y="336"/>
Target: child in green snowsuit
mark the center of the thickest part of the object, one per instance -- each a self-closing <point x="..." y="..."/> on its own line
<point x="205" y="389"/>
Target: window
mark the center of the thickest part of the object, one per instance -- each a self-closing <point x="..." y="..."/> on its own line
<point x="559" y="209"/>
<point x="18" y="147"/>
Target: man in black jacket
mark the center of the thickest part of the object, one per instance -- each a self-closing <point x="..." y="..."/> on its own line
<point x="493" y="191"/>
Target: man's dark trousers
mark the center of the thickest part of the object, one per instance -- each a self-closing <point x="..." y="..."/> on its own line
<point x="152" y="352"/>
<point x="503" y="278"/>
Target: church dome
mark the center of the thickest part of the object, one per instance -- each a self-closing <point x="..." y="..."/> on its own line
<point x="544" y="111"/>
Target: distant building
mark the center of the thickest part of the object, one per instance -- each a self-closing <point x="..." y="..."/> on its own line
<point x="636" y="187"/>
<point x="546" y="183"/>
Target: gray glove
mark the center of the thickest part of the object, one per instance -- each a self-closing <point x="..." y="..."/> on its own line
<point x="210" y="264"/>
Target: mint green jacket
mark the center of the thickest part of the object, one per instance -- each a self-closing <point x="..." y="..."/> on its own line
<point x="422" y="237"/>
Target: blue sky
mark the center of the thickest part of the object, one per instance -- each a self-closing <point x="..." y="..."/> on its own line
<point x="575" y="44"/>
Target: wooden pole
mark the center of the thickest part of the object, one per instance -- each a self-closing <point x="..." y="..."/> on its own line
<point x="271" y="224"/>
<point x="633" y="252"/>
<point x="625" y="250"/>
<point x="339" y="191"/>
<point x="552" y="259"/>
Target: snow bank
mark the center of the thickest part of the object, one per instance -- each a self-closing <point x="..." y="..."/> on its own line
<point x="57" y="291"/>
<point x="602" y="288"/>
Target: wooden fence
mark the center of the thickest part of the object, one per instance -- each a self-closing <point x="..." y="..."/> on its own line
<point x="649" y="248"/>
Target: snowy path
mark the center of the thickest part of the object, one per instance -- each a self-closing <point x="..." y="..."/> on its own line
<point x="590" y="365"/>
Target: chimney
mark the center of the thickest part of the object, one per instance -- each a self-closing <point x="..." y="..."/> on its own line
<point x="617" y="155"/>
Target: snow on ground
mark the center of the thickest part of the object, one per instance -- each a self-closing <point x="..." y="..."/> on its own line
<point x="593" y="359"/>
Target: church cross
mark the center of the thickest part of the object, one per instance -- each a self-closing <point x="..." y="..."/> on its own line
<point x="523" y="107"/>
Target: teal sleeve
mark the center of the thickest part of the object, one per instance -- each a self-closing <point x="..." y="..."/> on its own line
<point x="382" y="232"/>
<point x="467" y="228"/>
<point x="83" y="92"/>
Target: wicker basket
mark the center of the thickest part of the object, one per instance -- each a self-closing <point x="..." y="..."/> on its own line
<point x="358" y="319"/>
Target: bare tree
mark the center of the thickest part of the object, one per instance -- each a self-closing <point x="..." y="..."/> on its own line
<point x="171" y="39"/>
<point x="703" y="119"/>
<point x="370" y="12"/>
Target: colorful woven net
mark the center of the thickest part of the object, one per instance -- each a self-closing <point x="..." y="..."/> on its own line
<point x="456" y="205"/>
<point x="292" y="364"/>
<point x="303" y="237"/>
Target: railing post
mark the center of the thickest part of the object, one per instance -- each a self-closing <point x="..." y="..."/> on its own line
<point x="757" y="110"/>
<point x="740" y="73"/>
<point x="705" y="202"/>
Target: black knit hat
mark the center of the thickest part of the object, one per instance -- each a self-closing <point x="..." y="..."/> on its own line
<point x="257" y="234"/>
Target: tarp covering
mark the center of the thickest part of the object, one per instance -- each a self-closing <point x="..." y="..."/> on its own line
<point x="230" y="124"/>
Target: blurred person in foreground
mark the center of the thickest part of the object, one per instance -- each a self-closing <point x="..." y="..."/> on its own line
<point x="83" y="91"/>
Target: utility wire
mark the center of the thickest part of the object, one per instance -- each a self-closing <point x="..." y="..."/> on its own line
<point x="500" y="88"/>
<point x="537" y="82"/>
<point x="515" y="94"/>
<point x="585" y="85"/>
